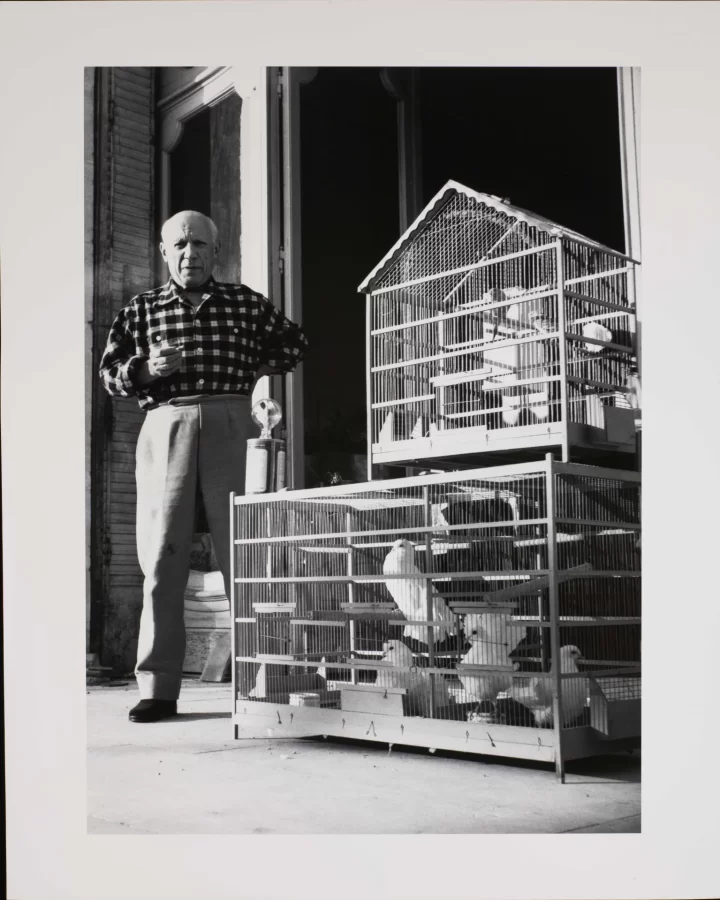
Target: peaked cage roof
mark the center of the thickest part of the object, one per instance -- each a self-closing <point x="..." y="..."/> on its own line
<point x="440" y="201"/>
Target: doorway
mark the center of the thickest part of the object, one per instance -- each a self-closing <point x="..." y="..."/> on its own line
<point x="349" y="217"/>
<point x="545" y="138"/>
<point x="205" y="176"/>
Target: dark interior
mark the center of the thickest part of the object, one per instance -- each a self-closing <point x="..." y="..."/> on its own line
<point x="547" y="139"/>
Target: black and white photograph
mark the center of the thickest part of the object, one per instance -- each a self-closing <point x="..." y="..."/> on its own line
<point x="338" y="482"/>
<point x="370" y="503"/>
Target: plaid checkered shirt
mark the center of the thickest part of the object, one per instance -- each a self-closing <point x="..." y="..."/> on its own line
<point x="225" y="340"/>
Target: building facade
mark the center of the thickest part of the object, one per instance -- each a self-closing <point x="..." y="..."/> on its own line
<point x="310" y="176"/>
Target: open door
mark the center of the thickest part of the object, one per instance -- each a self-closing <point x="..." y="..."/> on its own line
<point x="335" y="121"/>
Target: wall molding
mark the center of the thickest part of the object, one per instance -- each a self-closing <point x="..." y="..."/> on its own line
<point x="208" y="88"/>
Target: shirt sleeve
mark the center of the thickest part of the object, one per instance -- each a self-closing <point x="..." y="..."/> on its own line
<point x="282" y="343"/>
<point x="119" y="363"/>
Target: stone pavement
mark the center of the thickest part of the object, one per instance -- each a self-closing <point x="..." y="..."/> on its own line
<point x="188" y="776"/>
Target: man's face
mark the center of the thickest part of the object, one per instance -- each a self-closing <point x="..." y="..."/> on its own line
<point x="189" y="251"/>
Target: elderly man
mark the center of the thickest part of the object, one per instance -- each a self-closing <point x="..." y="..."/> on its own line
<point x="191" y="352"/>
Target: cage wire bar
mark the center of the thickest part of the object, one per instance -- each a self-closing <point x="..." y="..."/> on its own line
<point x="493" y="611"/>
<point x="492" y="329"/>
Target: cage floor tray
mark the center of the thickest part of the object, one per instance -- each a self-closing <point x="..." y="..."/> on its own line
<point x="269" y="720"/>
<point x="468" y="440"/>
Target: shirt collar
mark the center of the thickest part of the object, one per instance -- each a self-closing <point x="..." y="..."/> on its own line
<point x="170" y="291"/>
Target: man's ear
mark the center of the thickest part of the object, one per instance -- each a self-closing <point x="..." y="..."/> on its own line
<point x="162" y="251"/>
<point x="218" y="246"/>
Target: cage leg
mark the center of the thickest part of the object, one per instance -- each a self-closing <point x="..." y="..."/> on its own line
<point x="351" y="593"/>
<point x="560" y="767"/>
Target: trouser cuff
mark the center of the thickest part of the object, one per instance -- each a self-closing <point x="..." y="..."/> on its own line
<point x="156" y="687"/>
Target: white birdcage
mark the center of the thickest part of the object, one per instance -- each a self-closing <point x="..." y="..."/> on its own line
<point x="493" y="611"/>
<point x="491" y="329"/>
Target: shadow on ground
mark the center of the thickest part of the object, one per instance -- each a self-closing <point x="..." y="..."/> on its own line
<point x="619" y="768"/>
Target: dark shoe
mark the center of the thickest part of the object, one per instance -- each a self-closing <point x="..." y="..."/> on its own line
<point x="153" y="710"/>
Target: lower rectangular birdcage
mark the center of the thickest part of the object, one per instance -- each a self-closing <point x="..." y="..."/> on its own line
<point x="494" y="611"/>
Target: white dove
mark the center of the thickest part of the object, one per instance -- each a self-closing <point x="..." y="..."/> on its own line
<point x="538" y="695"/>
<point x="418" y="683"/>
<point x="599" y="333"/>
<point x="409" y="594"/>
<point x="493" y="639"/>
<point x="511" y="402"/>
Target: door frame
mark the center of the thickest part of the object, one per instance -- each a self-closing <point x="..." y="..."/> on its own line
<point x="285" y="242"/>
<point x="208" y="88"/>
<point x="402" y="87"/>
<point x="628" y="79"/>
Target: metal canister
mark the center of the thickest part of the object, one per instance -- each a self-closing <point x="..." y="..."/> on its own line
<point x="265" y="465"/>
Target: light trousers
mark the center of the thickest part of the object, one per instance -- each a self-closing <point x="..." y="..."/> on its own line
<point x="183" y="446"/>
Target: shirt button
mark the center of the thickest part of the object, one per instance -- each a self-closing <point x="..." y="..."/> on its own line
<point x="201" y="381"/>
<point x="235" y="330"/>
<point x="157" y="337"/>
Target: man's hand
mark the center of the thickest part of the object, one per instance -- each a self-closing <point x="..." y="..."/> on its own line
<point x="161" y="363"/>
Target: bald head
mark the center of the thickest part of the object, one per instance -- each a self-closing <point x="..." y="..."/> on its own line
<point x="189" y="218"/>
<point x="189" y="246"/>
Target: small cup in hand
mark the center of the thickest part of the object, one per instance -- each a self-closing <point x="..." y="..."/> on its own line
<point x="165" y="360"/>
